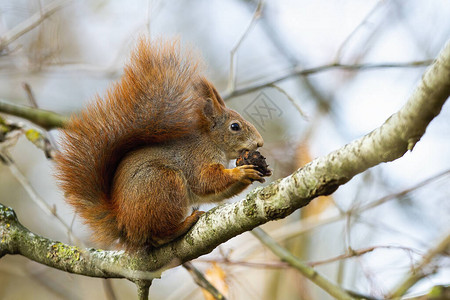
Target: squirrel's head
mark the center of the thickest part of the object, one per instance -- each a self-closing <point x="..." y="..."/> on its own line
<point x="227" y="128"/>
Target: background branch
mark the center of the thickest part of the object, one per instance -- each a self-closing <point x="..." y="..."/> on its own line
<point x="30" y="23"/>
<point x="419" y="270"/>
<point x="328" y="67"/>
<point x="332" y="289"/>
<point x="202" y="282"/>
<point x="233" y="52"/>
<point x="43" y="118"/>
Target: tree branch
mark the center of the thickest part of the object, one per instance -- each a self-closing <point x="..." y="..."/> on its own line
<point x="320" y="177"/>
<point x="328" y="67"/>
<point x="30" y="23"/>
<point x="233" y="53"/>
<point x="43" y="118"/>
<point x="202" y="282"/>
<point x="419" y="271"/>
<point x="307" y="271"/>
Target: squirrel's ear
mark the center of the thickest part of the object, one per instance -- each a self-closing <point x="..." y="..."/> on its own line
<point x="216" y="96"/>
<point x="208" y="91"/>
<point x="209" y="111"/>
<point x="213" y="105"/>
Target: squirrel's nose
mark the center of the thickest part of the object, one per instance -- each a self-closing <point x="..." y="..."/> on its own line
<point x="259" y="143"/>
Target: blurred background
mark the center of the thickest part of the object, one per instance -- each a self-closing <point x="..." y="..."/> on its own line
<point x="371" y="54"/>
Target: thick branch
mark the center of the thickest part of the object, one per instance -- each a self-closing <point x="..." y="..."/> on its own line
<point x="16" y="239"/>
<point x="320" y="177"/>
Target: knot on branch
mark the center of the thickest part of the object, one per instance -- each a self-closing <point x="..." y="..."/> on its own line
<point x="7" y="216"/>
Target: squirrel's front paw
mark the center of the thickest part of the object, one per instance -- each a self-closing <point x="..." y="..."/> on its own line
<point x="248" y="173"/>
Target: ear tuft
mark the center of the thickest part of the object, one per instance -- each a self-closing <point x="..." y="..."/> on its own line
<point x="208" y="110"/>
<point x="209" y="91"/>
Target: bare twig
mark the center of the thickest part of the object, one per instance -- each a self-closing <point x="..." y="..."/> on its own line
<point x="419" y="271"/>
<point x="302" y="113"/>
<point x="250" y="264"/>
<point x="40" y="140"/>
<point x="270" y="27"/>
<point x="437" y="292"/>
<point x="356" y="253"/>
<point x="300" y="227"/>
<point x="400" y="194"/>
<point x="109" y="291"/>
<point x="44" y="118"/>
<point x="30" y="94"/>
<point x="282" y="265"/>
<point x="48" y="143"/>
<point x="43" y="205"/>
<point x="323" y="68"/>
<point x="233" y="54"/>
<point x="202" y="282"/>
<point x="307" y="271"/>
<point x="364" y="22"/>
<point x="30" y="23"/>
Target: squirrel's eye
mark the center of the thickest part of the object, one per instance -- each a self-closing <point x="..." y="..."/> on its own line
<point x="235" y="127"/>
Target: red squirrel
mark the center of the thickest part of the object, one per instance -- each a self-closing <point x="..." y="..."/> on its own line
<point x="134" y="162"/>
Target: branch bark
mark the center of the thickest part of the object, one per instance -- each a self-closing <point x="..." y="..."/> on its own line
<point x="43" y="118"/>
<point x="320" y="177"/>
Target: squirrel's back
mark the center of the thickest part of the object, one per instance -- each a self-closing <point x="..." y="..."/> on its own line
<point x="154" y="101"/>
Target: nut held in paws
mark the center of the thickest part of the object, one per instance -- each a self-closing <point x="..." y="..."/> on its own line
<point x="254" y="158"/>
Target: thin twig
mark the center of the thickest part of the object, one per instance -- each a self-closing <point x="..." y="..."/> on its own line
<point x="364" y="22"/>
<point x="44" y="206"/>
<point x="282" y="265"/>
<point x="323" y="68"/>
<point x="44" y="118"/>
<point x="30" y="23"/>
<point x="437" y="292"/>
<point x="109" y="291"/>
<point x="50" y="145"/>
<point x="30" y="94"/>
<point x="270" y="27"/>
<point x="300" y="227"/>
<point x="419" y="270"/>
<point x="302" y="113"/>
<point x="400" y="194"/>
<point x="41" y="140"/>
<point x="242" y="263"/>
<point x="232" y="76"/>
<point x="356" y="253"/>
<point x="202" y="282"/>
<point x="307" y="271"/>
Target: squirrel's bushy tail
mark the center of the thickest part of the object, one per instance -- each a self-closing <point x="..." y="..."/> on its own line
<point x="153" y="102"/>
